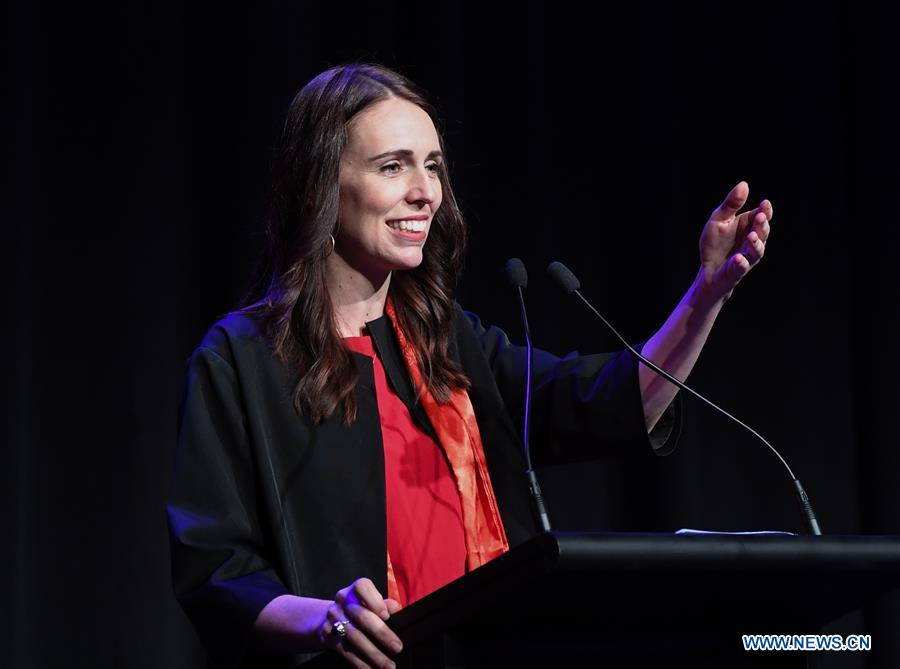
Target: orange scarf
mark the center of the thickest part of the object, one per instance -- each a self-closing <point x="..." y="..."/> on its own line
<point x="458" y="436"/>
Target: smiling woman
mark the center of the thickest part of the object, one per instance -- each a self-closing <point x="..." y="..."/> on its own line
<point x="360" y="150"/>
<point x="348" y="441"/>
<point x="359" y="185"/>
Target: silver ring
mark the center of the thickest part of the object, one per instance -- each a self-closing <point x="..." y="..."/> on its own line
<point x="339" y="629"/>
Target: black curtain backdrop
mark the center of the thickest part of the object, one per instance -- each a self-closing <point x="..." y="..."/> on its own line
<point x="137" y="142"/>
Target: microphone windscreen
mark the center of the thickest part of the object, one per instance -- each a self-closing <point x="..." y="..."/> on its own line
<point x="516" y="274"/>
<point x="563" y="277"/>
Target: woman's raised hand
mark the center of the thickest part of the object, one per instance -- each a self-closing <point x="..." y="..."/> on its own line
<point x="732" y="243"/>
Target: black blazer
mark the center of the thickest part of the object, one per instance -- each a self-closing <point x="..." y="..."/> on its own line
<point x="263" y="503"/>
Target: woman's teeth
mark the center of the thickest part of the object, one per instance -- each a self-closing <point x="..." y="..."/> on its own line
<point x="409" y="226"/>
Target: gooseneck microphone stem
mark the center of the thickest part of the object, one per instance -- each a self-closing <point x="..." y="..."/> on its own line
<point x="533" y="484"/>
<point x="518" y="277"/>
<point x="570" y="284"/>
<point x="526" y="431"/>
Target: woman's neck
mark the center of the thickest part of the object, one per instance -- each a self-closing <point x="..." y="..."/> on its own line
<point x="357" y="297"/>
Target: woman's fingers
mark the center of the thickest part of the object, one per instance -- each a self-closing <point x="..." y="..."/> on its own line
<point x="369" y="610"/>
<point x="345" y="638"/>
<point x="766" y="207"/>
<point x="753" y="248"/>
<point x="758" y="220"/>
<point x="359" y="649"/>
<point x="363" y="591"/>
<point x="735" y="199"/>
<point x="362" y="610"/>
<point x="374" y="627"/>
<point x="762" y="227"/>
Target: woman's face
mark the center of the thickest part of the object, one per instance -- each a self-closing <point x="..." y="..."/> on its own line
<point x="389" y="187"/>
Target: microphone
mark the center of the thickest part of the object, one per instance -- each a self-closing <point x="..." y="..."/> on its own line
<point x="518" y="279"/>
<point x="570" y="284"/>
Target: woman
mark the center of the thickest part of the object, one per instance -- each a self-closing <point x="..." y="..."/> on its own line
<point x="354" y="431"/>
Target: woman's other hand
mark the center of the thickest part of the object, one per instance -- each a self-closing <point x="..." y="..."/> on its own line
<point x="292" y="624"/>
<point x="361" y="612"/>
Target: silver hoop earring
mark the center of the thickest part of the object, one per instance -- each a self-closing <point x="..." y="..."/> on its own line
<point x="328" y="249"/>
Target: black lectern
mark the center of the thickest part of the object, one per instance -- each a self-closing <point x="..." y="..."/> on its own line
<point x="611" y="600"/>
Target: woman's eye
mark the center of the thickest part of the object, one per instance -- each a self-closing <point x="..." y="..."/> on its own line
<point x="393" y="168"/>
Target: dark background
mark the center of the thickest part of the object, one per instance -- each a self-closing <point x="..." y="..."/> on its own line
<point x="137" y="142"/>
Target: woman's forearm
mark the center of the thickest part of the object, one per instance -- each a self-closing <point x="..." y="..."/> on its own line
<point x="675" y="347"/>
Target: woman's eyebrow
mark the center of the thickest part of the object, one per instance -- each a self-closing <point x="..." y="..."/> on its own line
<point x="403" y="152"/>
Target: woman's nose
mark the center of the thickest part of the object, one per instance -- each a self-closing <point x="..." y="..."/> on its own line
<point x="422" y="187"/>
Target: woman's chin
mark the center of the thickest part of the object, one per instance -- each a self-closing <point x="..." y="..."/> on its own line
<point x="409" y="260"/>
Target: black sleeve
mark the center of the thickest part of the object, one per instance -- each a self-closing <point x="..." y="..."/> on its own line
<point x="583" y="406"/>
<point x="220" y="574"/>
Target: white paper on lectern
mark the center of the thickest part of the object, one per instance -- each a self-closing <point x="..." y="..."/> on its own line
<point x="689" y="531"/>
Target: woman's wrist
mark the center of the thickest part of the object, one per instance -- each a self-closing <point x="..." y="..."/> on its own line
<point x="705" y="296"/>
<point x="291" y="624"/>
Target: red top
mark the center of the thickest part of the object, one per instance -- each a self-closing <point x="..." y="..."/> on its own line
<point x="426" y="540"/>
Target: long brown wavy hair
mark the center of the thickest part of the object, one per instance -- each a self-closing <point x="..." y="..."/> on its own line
<point x="289" y="293"/>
